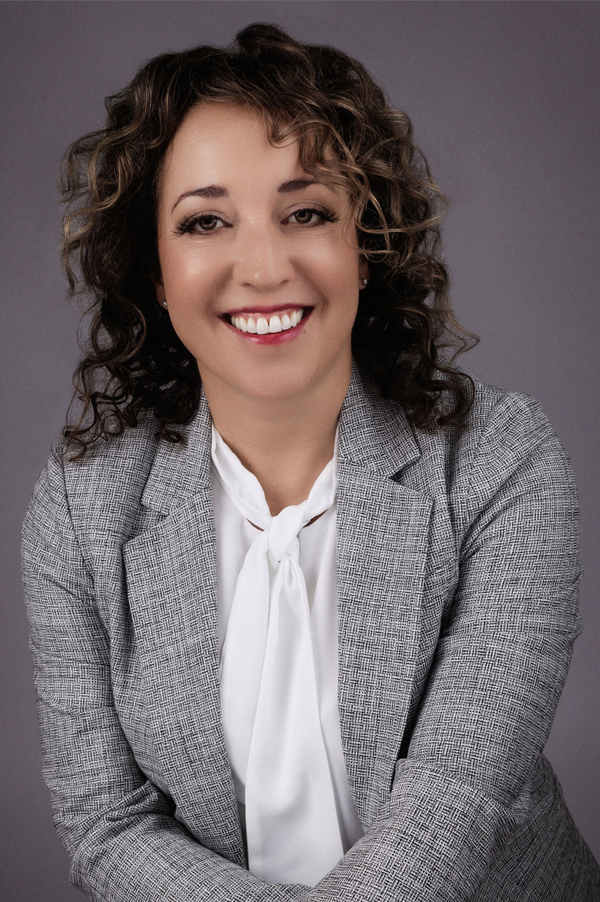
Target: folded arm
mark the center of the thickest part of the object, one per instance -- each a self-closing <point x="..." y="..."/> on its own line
<point x="118" y="827"/>
<point x="498" y="672"/>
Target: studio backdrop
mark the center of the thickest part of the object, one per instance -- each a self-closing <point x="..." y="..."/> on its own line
<point x="503" y="98"/>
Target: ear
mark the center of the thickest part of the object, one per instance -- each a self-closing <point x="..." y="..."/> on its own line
<point x="159" y="291"/>
<point x="364" y="271"/>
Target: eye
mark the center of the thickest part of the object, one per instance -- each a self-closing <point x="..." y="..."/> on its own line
<point x="312" y="216"/>
<point x="200" y="224"/>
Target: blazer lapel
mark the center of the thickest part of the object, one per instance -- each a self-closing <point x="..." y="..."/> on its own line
<point x="383" y="532"/>
<point x="171" y="583"/>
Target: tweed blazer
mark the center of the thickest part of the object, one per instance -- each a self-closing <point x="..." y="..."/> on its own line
<point x="457" y="595"/>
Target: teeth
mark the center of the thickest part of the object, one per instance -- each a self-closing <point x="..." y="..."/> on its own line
<point x="261" y="326"/>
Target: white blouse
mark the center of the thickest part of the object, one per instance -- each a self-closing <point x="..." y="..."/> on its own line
<point x="277" y="609"/>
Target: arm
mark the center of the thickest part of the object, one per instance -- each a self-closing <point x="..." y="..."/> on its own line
<point x="117" y="826"/>
<point x="499" y="667"/>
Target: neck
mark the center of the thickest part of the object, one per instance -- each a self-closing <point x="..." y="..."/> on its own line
<point x="284" y="443"/>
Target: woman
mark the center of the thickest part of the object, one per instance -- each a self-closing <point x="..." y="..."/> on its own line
<point x="302" y="595"/>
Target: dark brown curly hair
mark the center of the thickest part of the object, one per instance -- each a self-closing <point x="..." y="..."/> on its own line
<point x="133" y="360"/>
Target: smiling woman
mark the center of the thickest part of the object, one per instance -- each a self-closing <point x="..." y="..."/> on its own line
<point x="302" y="594"/>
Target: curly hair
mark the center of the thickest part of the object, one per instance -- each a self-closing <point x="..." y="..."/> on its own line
<point x="133" y="361"/>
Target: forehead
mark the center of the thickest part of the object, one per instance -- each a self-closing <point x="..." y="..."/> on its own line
<point x="216" y="122"/>
<point x="227" y="144"/>
<point x="226" y="140"/>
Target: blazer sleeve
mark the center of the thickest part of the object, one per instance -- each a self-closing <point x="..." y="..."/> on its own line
<point x="500" y="664"/>
<point x="119" y="829"/>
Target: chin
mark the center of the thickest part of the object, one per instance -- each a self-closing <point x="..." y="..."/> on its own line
<point x="276" y="387"/>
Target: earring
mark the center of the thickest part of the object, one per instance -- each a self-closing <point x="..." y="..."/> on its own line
<point x="365" y="281"/>
<point x="164" y="303"/>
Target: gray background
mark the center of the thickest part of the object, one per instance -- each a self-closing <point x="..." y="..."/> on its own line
<point x="504" y="101"/>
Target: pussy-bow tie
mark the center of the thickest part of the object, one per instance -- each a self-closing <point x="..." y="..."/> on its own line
<point x="269" y="694"/>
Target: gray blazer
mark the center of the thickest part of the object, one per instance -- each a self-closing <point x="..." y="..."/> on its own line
<point x="457" y="582"/>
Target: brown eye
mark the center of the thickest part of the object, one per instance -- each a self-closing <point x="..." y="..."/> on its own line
<point x="303" y="217"/>
<point x="200" y="224"/>
<point x="312" y="216"/>
<point x="206" y="223"/>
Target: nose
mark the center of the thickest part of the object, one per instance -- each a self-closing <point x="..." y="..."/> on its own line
<point x="262" y="259"/>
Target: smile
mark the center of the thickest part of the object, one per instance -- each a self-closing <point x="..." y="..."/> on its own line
<point x="261" y="324"/>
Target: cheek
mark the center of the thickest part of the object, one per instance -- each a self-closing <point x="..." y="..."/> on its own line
<point x="178" y="268"/>
<point x="336" y="265"/>
<point x="189" y="278"/>
<point x="345" y="281"/>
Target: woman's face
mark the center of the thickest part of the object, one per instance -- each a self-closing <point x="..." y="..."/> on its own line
<point x="260" y="284"/>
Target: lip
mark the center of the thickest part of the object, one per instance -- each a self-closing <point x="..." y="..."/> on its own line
<point x="268" y="311"/>
<point x="271" y="338"/>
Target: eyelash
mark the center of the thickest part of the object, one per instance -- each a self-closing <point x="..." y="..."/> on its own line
<point x="188" y="225"/>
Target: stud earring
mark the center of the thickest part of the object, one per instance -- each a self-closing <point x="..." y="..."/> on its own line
<point x="164" y="303"/>
<point x="365" y="281"/>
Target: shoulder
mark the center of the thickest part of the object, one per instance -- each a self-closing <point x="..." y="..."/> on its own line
<point x="105" y="485"/>
<point x="500" y="423"/>
<point x="507" y="439"/>
<point x="504" y="417"/>
<point x="506" y="432"/>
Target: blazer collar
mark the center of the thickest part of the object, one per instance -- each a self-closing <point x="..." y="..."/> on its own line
<point x="181" y="470"/>
<point x="375" y="433"/>
<point x="372" y="433"/>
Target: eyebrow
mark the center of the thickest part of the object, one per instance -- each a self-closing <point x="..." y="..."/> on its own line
<point x="215" y="191"/>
